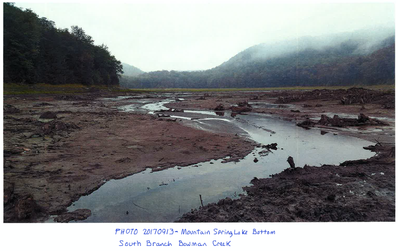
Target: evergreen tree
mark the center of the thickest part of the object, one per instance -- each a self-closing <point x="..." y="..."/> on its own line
<point x="37" y="52"/>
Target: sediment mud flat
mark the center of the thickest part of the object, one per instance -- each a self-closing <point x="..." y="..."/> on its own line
<point x="58" y="148"/>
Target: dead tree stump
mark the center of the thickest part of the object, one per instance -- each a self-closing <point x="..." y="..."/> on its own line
<point x="291" y="162"/>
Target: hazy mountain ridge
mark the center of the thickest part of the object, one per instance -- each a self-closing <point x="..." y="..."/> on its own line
<point x="359" y="58"/>
<point x="130" y="70"/>
<point x="361" y="42"/>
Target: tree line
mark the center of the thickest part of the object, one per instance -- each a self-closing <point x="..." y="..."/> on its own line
<point x="35" y="51"/>
<point x="332" y="66"/>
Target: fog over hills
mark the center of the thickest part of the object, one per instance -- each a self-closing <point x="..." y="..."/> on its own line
<point x="364" y="57"/>
<point x="365" y="41"/>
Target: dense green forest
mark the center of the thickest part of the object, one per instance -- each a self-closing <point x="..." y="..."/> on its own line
<point x="35" y="51"/>
<point x="350" y="62"/>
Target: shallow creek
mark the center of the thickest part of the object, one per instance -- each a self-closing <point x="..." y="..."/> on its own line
<point x="163" y="196"/>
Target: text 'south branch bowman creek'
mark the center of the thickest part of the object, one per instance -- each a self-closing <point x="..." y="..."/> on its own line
<point x="179" y="236"/>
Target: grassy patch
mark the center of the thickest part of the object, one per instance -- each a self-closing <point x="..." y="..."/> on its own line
<point x="18" y="89"/>
<point x="296" y="88"/>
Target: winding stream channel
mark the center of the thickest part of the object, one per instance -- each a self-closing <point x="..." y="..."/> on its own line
<point x="163" y="196"/>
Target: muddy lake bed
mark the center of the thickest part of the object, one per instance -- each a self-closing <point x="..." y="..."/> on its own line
<point x="155" y="158"/>
<point x="163" y="196"/>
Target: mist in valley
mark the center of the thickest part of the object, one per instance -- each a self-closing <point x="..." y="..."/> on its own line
<point x="193" y="37"/>
<point x="202" y="46"/>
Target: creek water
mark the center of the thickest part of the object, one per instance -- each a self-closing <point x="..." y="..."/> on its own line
<point x="163" y="196"/>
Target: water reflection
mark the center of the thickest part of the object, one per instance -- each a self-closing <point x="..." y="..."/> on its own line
<point x="165" y="195"/>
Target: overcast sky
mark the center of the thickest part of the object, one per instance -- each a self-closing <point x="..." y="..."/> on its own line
<point x="202" y="36"/>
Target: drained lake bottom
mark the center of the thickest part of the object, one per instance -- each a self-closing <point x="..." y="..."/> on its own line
<point x="164" y="196"/>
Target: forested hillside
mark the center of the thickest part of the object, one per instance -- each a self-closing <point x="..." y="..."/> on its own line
<point x="130" y="73"/>
<point x="130" y="70"/>
<point x="347" y="62"/>
<point x="35" y="51"/>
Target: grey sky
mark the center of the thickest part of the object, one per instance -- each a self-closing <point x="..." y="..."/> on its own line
<point x="202" y="36"/>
